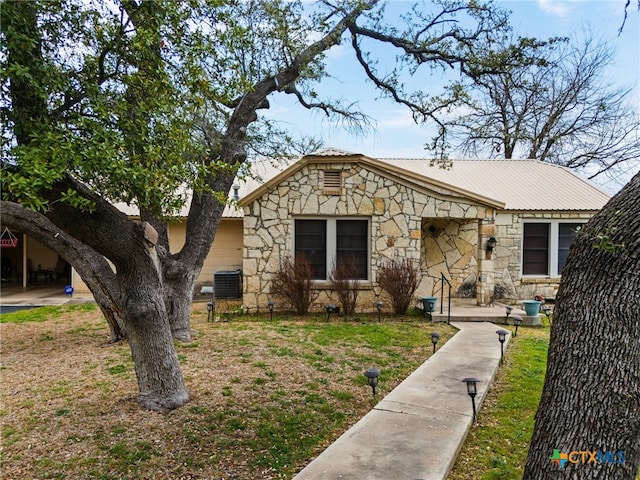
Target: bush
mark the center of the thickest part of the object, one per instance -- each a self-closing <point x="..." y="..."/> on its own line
<point x="293" y="282"/>
<point x="342" y="279"/>
<point x="399" y="278"/>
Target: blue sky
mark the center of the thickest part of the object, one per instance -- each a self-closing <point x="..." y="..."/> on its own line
<point x="395" y="134"/>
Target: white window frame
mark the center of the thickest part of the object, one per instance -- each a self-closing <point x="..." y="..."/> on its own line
<point x="554" y="236"/>
<point x="332" y="241"/>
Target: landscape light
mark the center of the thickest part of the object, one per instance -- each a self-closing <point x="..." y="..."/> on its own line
<point x="372" y="375"/>
<point x="502" y="336"/>
<point x="435" y="336"/>
<point x="517" y="321"/>
<point x="379" y="307"/>
<point x="472" y="390"/>
<point x="508" y="309"/>
<point x="270" y="305"/>
<point x="331" y="308"/>
<point x="209" y="311"/>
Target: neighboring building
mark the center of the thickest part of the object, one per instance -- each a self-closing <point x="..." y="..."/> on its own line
<point x="336" y="204"/>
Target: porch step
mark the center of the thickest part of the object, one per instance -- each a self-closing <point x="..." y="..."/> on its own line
<point x="535" y="321"/>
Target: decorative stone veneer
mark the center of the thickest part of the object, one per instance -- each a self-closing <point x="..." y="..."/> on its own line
<point x="399" y="212"/>
<point x="510" y="286"/>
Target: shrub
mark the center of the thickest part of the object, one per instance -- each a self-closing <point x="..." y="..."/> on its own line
<point x="293" y="282"/>
<point x="399" y="278"/>
<point x="342" y="279"/>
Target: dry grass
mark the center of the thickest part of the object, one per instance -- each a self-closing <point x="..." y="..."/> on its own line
<point x="266" y="397"/>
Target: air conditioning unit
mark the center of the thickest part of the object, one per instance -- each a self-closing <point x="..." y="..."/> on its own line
<point x="228" y="284"/>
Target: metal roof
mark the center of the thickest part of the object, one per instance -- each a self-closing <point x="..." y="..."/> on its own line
<point x="520" y="185"/>
<point x="527" y="185"/>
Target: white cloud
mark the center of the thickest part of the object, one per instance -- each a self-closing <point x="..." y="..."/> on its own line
<point x="555" y="7"/>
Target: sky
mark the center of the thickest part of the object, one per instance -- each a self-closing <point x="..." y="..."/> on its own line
<point x="396" y="135"/>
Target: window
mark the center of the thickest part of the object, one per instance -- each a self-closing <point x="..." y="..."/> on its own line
<point x="535" y="249"/>
<point x="342" y="240"/>
<point x="545" y="246"/>
<point x="311" y="241"/>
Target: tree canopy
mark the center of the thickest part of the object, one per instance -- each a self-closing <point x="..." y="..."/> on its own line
<point x="562" y="108"/>
<point x="158" y="105"/>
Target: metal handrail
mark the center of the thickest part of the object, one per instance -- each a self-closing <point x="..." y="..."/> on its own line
<point x="443" y="279"/>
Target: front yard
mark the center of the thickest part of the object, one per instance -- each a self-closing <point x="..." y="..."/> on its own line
<point x="266" y="396"/>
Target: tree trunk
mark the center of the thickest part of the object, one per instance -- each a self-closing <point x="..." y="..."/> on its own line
<point x="160" y="382"/>
<point x="590" y="405"/>
<point x="178" y="297"/>
<point x="92" y="267"/>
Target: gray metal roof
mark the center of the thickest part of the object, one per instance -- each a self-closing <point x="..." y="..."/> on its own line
<point x="527" y="185"/>
<point x="521" y="185"/>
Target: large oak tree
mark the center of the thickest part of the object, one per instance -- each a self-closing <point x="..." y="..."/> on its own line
<point x="591" y="396"/>
<point x="155" y="104"/>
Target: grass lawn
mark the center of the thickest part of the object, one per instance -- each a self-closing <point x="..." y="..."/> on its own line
<point x="496" y="447"/>
<point x="266" y="396"/>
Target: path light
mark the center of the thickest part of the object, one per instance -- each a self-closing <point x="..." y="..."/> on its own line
<point x="209" y="311"/>
<point x="508" y="309"/>
<point x="517" y="321"/>
<point x="270" y="305"/>
<point x="547" y="312"/>
<point x="372" y="375"/>
<point x="435" y="336"/>
<point x="472" y="390"/>
<point x="379" y="307"/>
<point x="502" y="336"/>
<point x="331" y="308"/>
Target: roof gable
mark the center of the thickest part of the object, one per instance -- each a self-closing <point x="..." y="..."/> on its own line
<point x="415" y="180"/>
<point x="519" y="185"/>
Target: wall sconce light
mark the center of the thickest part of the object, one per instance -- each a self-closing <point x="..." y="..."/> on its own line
<point x="435" y="336"/>
<point x="517" y="321"/>
<point x="502" y="336"/>
<point x="472" y="390"/>
<point x="372" y="375"/>
<point x="492" y="242"/>
<point x="331" y="308"/>
<point x="270" y="304"/>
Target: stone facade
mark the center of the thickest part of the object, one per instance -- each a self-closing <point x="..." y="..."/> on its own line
<point x="510" y="284"/>
<point x="407" y="220"/>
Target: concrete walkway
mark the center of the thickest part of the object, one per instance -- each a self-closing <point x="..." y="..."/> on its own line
<point x="416" y="431"/>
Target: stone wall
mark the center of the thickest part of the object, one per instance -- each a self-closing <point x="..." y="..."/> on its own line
<point x="510" y="285"/>
<point x="396" y="210"/>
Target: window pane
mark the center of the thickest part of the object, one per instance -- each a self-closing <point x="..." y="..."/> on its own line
<point x="535" y="249"/>
<point x="352" y="246"/>
<point x="311" y="241"/>
<point x="566" y="233"/>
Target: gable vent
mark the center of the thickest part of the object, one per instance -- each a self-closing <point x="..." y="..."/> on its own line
<point x="332" y="182"/>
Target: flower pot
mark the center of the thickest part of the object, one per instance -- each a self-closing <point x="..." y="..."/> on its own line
<point x="429" y="300"/>
<point x="532" y="307"/>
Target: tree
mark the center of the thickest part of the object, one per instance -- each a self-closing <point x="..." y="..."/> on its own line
<point x="590" y="400"/>
<point x="562" y="109"/>
<point x="156" y="104"/>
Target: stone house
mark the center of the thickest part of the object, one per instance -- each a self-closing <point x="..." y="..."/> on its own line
<point x="334" y="203"/>
<point x="494" y="229"/>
